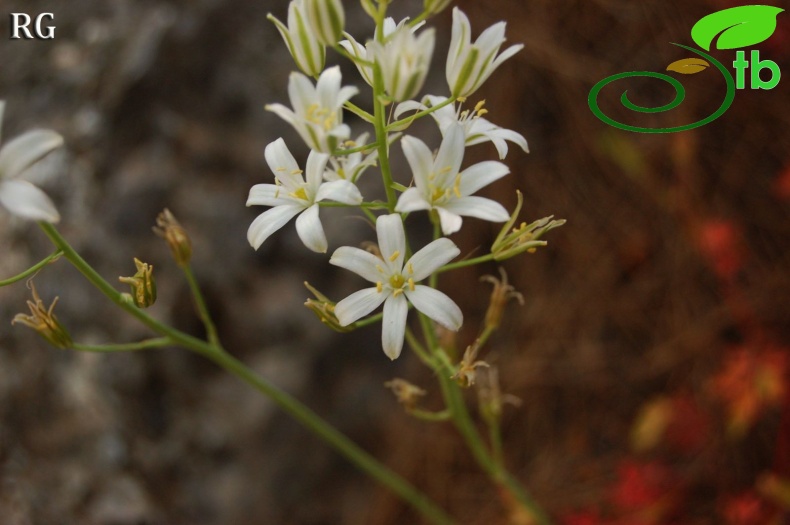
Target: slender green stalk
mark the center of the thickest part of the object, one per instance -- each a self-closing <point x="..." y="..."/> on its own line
<point x="356" y="149"/>
<point x="358" y="111"/>
<point x="426" y="415"/>
<point x="125" y="347"/>
<point x="293" y="407"/>
<point x="411" y="118"/>
<point x="465" y="263"/>
<point x="202" y="309"/>
<point x="380" y="123"/>
<point x="32" y="270"/>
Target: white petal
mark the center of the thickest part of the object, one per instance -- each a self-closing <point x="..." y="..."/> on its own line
<point x="412" y="200"/>
<point x="314" y="170"/>
<point x="490" y="39"/>
<point x="267" y="195"/>
<point x="328" y="87"/>
<point x="437" y="306"/>
<point x="392" y="241"/>
<point x="362" y="263"/>
<point x="269" y="222"/>
<point x="480" y="175"/>
<point x="432" y="257"/>
<point x="25" y="200"/>
<point x="358" y="305"/>
<point x="450" y="155"/>
<point x="2" y="112"/>
<point x="393" y="325"/>
<point x="507" y="53"/>
<point x="339" y="191"/>
<point x="310" y="230"/>
<point x="451" y="222"/>
<point x="419" y="158"/>
<point x="25" y="150"/>
<point x="478" y="207"/>
<point x="301" y="93"/>
<point x="408" y="105"/>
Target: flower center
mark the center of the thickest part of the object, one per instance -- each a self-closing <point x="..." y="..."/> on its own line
<point x="322" y="116"/>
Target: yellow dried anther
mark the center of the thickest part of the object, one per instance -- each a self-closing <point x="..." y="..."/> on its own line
<point x="324" y="309"/>
<point x="176" y="237"/>
<point x="407" y="394"/>
<point x="142" y="283"/>
<point x="466" y="373"/>
<point x="502" y="293"/>
<point x="43" y="321"/>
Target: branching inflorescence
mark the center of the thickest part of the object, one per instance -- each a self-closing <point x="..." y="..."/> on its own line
<point x="394" y="63"/>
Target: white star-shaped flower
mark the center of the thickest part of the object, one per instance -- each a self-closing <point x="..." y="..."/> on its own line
<point x="439" y="185"/>
<point x="468" y="64"/>
<point x="293" y="195"/>
<point x="396" y="283"/>
<point x="476" y="129"/>
<point x="20" y="197"/>
<point x="317" y="113"/>
<point x="352" y="166"/>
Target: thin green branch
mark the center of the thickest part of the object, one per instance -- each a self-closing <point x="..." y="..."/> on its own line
<point x="427" y="415"/>
<point x="361" y="113"/>
<point x="465" y="263"/>
<point x="200" y="306"/>
<point x="125" y="347"/>
<point x="33" y="269"/>
<point x="357" y="149"/>
<point x="411" y="118"/>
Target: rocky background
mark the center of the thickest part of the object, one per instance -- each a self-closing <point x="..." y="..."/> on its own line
<point x="650" y="357"/>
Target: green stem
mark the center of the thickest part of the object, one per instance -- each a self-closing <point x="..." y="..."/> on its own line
<point x="32" y="270"/>
<point x="356" y="149"/>
<point x="466" y="262"/>
<point x="289" y="404"/>
<point x="202" y="309"/>
<point x="419" y="18"/>
<point x="358" y="111"/>
<point x="125" y="347"/>
<point x="380" y="123"/>
<point x="353" y="58"/>
<point x="426" y="415"/>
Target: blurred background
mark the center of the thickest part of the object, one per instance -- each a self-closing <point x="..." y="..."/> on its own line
<point x="650" y="356"/>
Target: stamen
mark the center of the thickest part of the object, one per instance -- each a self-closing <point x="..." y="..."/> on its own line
<point x="379" y="286"/>
<point x="394" y="256"/>
<point x="397" y="292"/>
<point x="411" y="284"/>
<point x="410" y="268"/>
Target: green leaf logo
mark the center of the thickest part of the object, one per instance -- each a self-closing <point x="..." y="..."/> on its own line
<point x="738" y="26"/>
<point x="688" y="66"/>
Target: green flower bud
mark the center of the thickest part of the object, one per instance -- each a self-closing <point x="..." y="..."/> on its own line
<point x="142" y="284"/>
<point x="327" y="19"/>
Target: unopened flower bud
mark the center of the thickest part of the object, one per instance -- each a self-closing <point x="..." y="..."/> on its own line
<point x="43" y="321"/>
<point x="327" y="20"/>
<point x="500" y="295"/>
<point x="324" y="309"/>
<point x="176" y="237"/>
<point x="435" y="6"/>
<point x="142" y="283"/>
<point x="407" y="394"/>
<point x="525" y="238"/>
<point x="308" y="53"/>
<point x="404" y="60"/>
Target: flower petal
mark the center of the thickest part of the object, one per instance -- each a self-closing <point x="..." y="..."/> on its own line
<point x="393" y="325"/>
<point x="450" y="155"/>
<point x="436" y="305"/>
<point x="392" y="241"/>
<point x="451" y="222"/>
<point x="283" y="165"/>
<point x="310" y="229"/>
<point x="267" y="195"/>
<point x="432" y="257"/>
<point x="269" y="222"/>
<point x="301" y="93"/>
<point x="479" y="207"/>
<point x="25" y="150"/>
<point x="27" y="201"/>
<point x="480" y="175"/>
<point x="358" y="305"/>
<point x="314" y="170"/>
<point x="362" y="263"/>
<point x="339" y="191"/>
<point x="412" y="200"/>
<point x="419" y="158"/>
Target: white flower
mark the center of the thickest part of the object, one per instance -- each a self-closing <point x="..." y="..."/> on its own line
<point x="439" y="185"/>
<point x="327" y="19"/>
<point x="365" y="53"/>
<point x="308" y="53"/>
<point x="396" y="283"/>
<point x="476" y="129"/>
<point x="404" y="60"/>
<point x="469" y="65"/>
<point x="20" y="197"/>
<point x="292" y="196"/>
<point x="350" y="167"/>
<point x="317" y="113"/>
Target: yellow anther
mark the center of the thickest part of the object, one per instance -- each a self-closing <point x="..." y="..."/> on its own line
<point x="379" y="268"/>
<point x="410" y="269"/>
<point x="394" y="256"/>
<point x="379" y="287"/>
<point x="446" y="169"/>
<point x="299" y="194"/>
<point x="411" y="284"/>
<point x="482" y="112"/>
<point x="397" y="292"/>
<point x="349" y="143"/>
<point x="296" y="172"/>
<point x="457" y="186"/>
<point x="464" y="114"/>
<point x="280" y="169"/>
<point x="479" y="106"/>
<point x="461" y="99"/>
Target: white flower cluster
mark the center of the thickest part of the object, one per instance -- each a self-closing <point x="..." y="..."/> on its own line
<point x="395" y="63"/>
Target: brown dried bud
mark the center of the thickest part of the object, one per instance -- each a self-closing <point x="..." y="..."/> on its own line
<point x="176" y="237"/>
<point x="407" y="394"/>
<point x="142" y="284"/>
<point x="500" y="295"/>
<point x="43" y="321"/>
